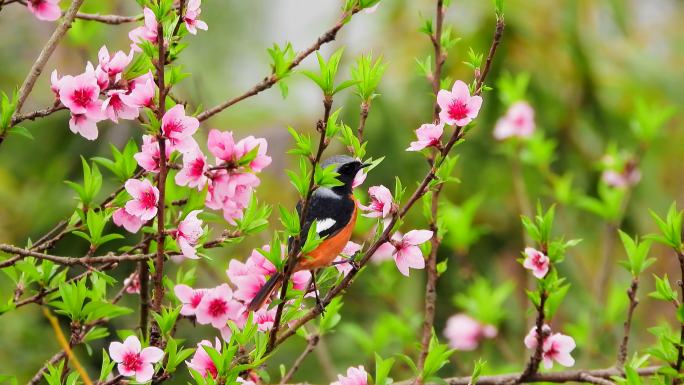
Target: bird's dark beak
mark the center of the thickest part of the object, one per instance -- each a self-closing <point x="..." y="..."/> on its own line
<point x="364" y="165"/>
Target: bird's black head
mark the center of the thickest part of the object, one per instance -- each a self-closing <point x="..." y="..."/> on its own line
<point x="347" y="167"/>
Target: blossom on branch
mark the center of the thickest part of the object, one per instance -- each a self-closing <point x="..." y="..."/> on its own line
<point x="537" y="262"/>
<point x="466" y="333"/>
<point x="130" y="222"/>
<point x="148" y="31"/>
<point x="355" y="376"/>
<point x="114" y="65"/>
<point x="188" y="234"/>
<point x="47" y="10"/>
<point x="179" y="128"/>
<point x="217" y="307"/>
<point x="555" y="346"/>
<point x="145" y="197"/>
<point x="429" y="135"/>
<point x="132" y="360"/>
<point x="381" y="204"/>
<point x="191" y="17"/>
<point x="405" y="250"/>
<point x="149" y="156"/>
<point x="458" y="108"/>
<point x="202" y="362"/>
<point x="189" y="297"/>
<point x="193" y="172"/>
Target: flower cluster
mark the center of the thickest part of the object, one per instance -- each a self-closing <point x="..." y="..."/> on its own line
<point x="465" y="333"/>
<point x="555" y="346"/>
<point x="102" y="93"/>
<point x="457" y="108"/>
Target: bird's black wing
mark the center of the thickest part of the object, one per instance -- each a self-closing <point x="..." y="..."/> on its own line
<point x="328" y="211"/>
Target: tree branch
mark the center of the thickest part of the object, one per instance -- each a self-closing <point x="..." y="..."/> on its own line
<point x="272" y="79"/>
<point x="313" y="342"/>
<point x="633" y="302"/>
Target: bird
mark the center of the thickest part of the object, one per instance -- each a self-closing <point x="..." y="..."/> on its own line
<point x="333" y="212"/>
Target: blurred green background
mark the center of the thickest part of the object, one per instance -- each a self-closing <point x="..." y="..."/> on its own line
<point x="589" y="62"/>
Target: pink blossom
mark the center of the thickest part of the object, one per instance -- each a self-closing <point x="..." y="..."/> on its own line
<point x="536" y="261"/>
<point x="47" y="10"/>
<point x="115" y="108"/>
<point x="146" y="32"/>
<point x="265" y="318"/>
<point x="55" y="82"/>
<point x="458" y="107"/>
<point x="518" y="122"/>
<point x="145" y="197"/>
<point x="381" y="204"/>
<point x="80" y="95"/>
<point x="83" y="125"/>
<point x="100" y="76"/>
<point x="116" y="64"/>
<point x="179" y="128"/>
<point x="245" y="145"/>
<point x="148" y="157"/>
<point x="217" y="307"/>
<point x="188" y="234"/>
<point x="132" y="360"/>
<point x="130" y="222"/>
<point x="202" y="362"/>
<point x="132" y="284"/>
<point x="359" y="178"/>
<point x="355" y="376"/>
<point x="189" y="297"/>
<point x="342" y="263"/>
<point x="191" y="17"/>
<point x="141" y="93"/>
<point x="193" y="172"/>
<point x="429" y="135"/>
<point x="630" y="176"/>
<point x="231" y="192"/>
<point x="531" y="337"/>
<point x="405" y="250"/>
<point x="555" y="346"/>
<point x="222" y="145"/>
<point x="465" y="332"/>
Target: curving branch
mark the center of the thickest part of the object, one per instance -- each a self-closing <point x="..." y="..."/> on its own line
<point x="272" y="79"/>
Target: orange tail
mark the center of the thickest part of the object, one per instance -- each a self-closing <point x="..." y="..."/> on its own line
<point x="265" y="292"/>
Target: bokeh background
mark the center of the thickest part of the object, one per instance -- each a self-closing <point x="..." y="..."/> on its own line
<point x="589" y="61"/>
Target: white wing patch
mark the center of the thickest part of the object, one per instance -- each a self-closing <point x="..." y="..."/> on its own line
<point x="324" y="224"/>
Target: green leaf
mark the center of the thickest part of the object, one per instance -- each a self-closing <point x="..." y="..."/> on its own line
<point x="21" y="131"/>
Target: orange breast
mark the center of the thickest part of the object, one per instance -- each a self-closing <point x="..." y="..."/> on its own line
<point x="330" y="248"/>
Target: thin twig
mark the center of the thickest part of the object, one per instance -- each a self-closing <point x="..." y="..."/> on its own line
<point x="633" y="302"/>
<point x="431" y="265"/>
<point x="272" y="79"/>
<point x="313" y="341"/>
<point x="680" y="345"/>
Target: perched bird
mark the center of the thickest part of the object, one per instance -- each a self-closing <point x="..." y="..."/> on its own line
<point x="333" y="213"/>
